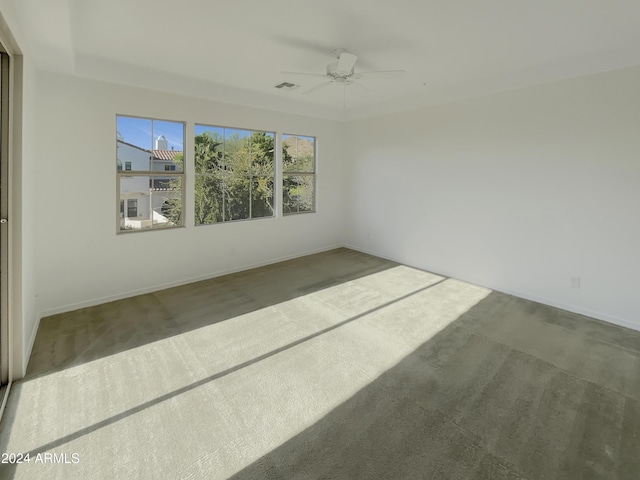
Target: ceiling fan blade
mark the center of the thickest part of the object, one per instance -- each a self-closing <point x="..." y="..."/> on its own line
<point x="380" y="74"/>
<point x="305" y="74"/>
<point x="346" y="62"/>
<point x="317" y="87"/>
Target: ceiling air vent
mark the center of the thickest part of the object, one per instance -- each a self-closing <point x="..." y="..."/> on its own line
<point x="287" y="86"/>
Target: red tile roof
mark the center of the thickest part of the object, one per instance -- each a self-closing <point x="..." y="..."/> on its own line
<point x="165" y="154"/>
<point x="157" y="154"/>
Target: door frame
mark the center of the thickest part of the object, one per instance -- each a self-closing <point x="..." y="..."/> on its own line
<point x="5" y="338"/>
<point x="10" y="315"/>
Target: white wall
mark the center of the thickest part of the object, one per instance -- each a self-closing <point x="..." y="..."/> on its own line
<point x="80" y="258"/>
<point x="22" y="295"/>
<point x="25" y="301"/>
<point x="519" y="191"/>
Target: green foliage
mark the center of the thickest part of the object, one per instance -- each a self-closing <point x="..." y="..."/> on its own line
<point x="298" y="155"/>
<point x="298" y="193"/>
<point x="178" y="159"/>
<point x="235" y="177"/>
<point x="172" y="209"/>
<point x="235" y="182"/>
<point x="208" y="152"/>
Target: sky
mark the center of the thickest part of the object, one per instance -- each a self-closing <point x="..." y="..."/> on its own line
<point x="142" y="132"/>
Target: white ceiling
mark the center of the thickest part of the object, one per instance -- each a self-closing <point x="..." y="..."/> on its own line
<point x="234" y="50"/>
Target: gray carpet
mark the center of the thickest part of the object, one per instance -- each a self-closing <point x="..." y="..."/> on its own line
<point x="336" y="365"/>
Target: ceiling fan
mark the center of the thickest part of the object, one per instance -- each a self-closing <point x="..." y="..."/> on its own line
<point x="342" y="73"/>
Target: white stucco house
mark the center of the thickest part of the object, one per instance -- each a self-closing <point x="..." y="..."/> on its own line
<point x="142" y="196"/>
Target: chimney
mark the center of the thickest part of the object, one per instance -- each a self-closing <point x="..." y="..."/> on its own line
<point x="161" y="143"/>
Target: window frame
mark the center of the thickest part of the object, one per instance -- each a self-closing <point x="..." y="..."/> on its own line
<point x="152" y="175"/>
<point x="313" y="174"/>
<point x="249" y="175"/>
<point x="132" y="203"/>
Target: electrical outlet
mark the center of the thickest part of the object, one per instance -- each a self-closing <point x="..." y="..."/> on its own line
<point x="575" y="282"/>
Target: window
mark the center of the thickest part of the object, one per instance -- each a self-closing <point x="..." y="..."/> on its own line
<point x="298" y="174"/>
<point x="153" y="194"/>
<point x="132" y="208"/>
<point x="234" y="174"/>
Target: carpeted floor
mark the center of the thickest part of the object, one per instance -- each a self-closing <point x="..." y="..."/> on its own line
<point x="336" y="366"/>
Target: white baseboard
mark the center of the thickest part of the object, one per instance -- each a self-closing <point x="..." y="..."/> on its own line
<point x="122" y="295"/>
<point x="26" y="355"/>
<point x="621" y="322"/>
<point x="377" y="254"/>
<point x="154" y="288"/>
<point x="4" y="397"/>
<point x="119" y="296"/>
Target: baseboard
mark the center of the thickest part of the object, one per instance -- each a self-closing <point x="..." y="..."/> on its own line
<point x="155" y="288"/>
<point x="29" y="347"/>
<point x="377" y="254"/>
<point x="603" y="317"/>
<point x="110" y="298"/>
<point x="177" y="283"/>
<point x="4" y="396"/>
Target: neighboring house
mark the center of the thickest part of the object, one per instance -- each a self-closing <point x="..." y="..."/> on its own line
<point x="142" y="197"/>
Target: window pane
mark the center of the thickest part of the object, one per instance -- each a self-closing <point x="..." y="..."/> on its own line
<point x="237" y="151"/>
<point x="289" y="152"/>
<point x="306" y="154"/>
<point x="262" y="150"/>
<point x="306" y="189"/>
<point x="262" y="197"/>
<point x="133" y="144"/>
<point x="298" y="193"/>
<point x="135" y="132"/>
<point x="208" y="199"/>
<point x="298" y="154"/>
<point x="150" y="202"/>
<point x="148" y="145"/>
<point x="168" y="143"/>
<point x="166" y="201"/>
<point x="149" y="160"/>
<point x="288" y="206"/>
<point x="234" y="174"/>
<point x="135" y="191"/>
<point x="236" y="197"/>
<point x="209" y="148"/>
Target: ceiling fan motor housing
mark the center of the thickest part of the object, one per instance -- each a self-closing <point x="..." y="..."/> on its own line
<point x="332" y="71"/>
<point x="343" y="68"/>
